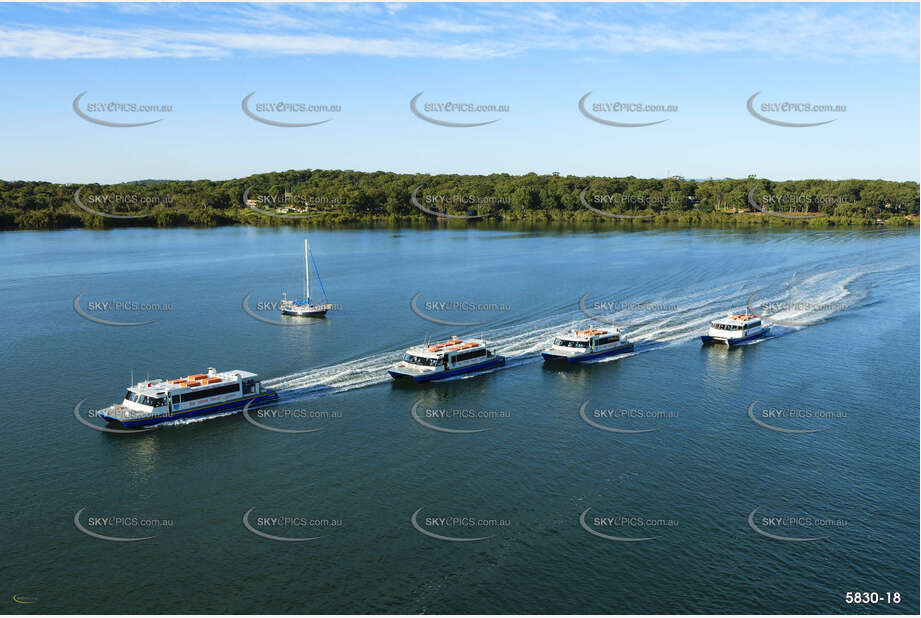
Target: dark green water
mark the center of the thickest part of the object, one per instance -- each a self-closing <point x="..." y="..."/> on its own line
<point x="850" y="351"/>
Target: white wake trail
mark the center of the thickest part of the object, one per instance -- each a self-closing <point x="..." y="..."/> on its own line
<point x="674" y="319"/>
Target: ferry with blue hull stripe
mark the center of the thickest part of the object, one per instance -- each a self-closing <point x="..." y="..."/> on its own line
<point x="735" y="329"/>
<point x="443" y="360"/>
<point x="159" y="401"/>
<point x="577" y="346"/>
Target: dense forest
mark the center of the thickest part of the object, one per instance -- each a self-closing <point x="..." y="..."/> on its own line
<point x="338" y="197"/>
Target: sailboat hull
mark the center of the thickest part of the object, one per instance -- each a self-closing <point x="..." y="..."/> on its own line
<point x="311" y="312"/>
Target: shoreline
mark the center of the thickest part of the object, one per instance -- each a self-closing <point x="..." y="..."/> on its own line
<point x="747" y="221"/>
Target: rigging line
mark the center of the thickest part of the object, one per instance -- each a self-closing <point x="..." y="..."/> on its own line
<point x="325" y="298"/>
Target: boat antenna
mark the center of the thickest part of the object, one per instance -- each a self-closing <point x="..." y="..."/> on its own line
<point x="132" y="377"/>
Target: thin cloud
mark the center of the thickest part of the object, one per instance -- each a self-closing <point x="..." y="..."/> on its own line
<point x="471" y="32"/>
<point x="451" y="26"/>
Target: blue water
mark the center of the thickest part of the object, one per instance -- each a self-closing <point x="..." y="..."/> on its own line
<point x="849" y="348"/>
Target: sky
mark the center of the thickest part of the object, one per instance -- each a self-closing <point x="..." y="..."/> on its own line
<point x="698" y="65"/>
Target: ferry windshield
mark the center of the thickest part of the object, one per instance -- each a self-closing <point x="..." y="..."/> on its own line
<point x="735" y="326"/>
<point x="420" y="360"/>
<point x="731" y="326"/>
<point x="144" y="400"/>
<point x="566" y="343"/>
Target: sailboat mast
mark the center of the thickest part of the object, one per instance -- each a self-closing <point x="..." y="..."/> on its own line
<point x="307" y="270"/>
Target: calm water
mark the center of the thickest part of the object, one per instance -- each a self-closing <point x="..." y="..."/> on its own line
<point x="849" y="351"/>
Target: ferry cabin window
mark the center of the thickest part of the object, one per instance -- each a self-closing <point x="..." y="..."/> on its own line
<point x="420" y="360"/>
<point x="249" y="386"/>
<point x="463" y="356"/>
<point x="607" y="340"/>
<point x="211" y="392"/>
<point x="566" y="343"/>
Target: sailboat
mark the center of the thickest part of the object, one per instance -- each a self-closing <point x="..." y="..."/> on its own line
<point x="305" y="309"/>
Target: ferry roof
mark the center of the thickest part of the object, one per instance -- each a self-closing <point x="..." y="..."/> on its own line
<point x="737" y="318"/>
<point x="159" y="386"/>
<point x="438" y="350"/>
<point x="586" y="334"/>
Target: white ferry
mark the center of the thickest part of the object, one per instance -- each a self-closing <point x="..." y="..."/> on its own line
<point x="576" y="346"/>
<point x="445" y="359"/>
<point x="736" y="328"/>
<point x="157" y="401"/>
<point x="305" y="308"/>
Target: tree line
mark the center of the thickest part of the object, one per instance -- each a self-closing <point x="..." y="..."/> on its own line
<point x="342" y="196"/>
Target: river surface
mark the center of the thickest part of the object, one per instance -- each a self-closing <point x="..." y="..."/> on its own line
<point x="774" y="477"/>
